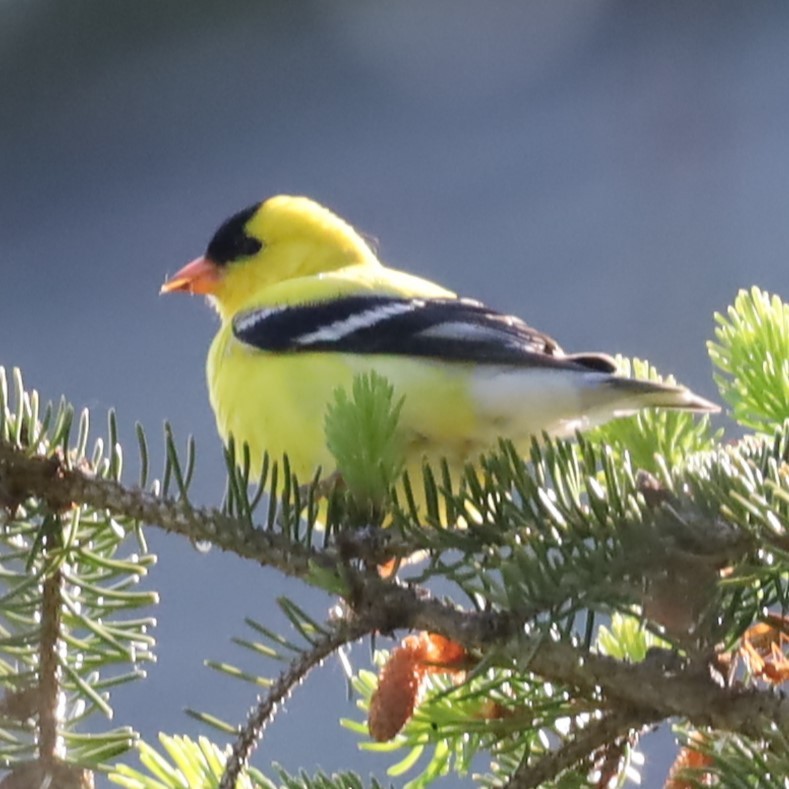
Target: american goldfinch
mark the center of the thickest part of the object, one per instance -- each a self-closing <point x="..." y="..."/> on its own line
<point x="305" y="305"/>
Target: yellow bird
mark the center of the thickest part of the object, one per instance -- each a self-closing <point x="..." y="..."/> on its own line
<point x="305" y="305"/>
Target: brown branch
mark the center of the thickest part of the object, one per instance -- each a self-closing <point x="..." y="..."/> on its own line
<point x="246" y="741"/>
<point x="585" y="742"/>
<point x="22" y="475"/>
<point x="647" y="687"/>
<point x="49" y="689"/>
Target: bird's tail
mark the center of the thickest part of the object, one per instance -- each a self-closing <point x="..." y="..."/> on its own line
<point x="622" y="396"/>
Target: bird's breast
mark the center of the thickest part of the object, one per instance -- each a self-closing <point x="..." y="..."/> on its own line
<point x="275" y="403"/>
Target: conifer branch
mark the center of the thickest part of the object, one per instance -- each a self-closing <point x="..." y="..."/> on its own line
<point x="342" y="633"/>
<point x="51" y="479"/>
<point x="49" y="689"/>
<point x="386" y="605"/>
<point x="582" y="745"/>
<point x="689" y="691"/>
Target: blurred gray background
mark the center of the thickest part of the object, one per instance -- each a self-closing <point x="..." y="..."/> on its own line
<point x="611" y="171"/>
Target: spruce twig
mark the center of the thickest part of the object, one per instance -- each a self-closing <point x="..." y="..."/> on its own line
<point x="49" y="688"/>
<point x="596" y="735"/>
<point x="341" y="633"/>
<point x="388" y="606"/>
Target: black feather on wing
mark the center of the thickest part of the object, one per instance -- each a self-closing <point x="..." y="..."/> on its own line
<point x="453" y="330"/>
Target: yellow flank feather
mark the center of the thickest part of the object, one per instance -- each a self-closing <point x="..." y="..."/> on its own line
<point x="305" y="305"/>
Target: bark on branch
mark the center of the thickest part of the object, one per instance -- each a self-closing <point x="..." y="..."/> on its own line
<point x="648" y="689"/>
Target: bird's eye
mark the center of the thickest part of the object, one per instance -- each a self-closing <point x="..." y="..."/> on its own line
<point x="249" y="246"/>
<point x="231" y="241"/>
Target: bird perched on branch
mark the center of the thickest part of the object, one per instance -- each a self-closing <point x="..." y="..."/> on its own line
<point x="305" y="305"/>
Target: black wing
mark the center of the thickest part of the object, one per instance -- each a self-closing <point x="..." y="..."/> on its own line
<point x="453" y="330"/>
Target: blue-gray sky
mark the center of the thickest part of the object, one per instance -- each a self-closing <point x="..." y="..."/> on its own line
<point x="611" y="171"/>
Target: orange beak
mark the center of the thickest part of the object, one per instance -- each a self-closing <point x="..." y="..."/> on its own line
<point x="200" y="276"/>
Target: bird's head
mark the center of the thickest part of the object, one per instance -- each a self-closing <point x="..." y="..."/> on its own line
<point x="279" y="239"/>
